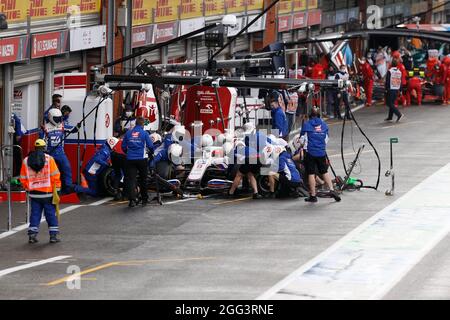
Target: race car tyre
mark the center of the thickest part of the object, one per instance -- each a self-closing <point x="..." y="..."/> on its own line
<point x="263" y="185"/>
<point x="164" y="170"/>
<point x="106" y="182"/>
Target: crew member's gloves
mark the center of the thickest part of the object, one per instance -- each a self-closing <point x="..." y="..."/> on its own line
<point x="74" y="130"/>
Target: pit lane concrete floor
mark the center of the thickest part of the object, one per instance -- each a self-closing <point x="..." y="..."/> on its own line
<point x="217" y="248"/>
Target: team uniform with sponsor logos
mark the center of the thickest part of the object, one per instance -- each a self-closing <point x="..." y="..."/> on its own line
<point x="393" y="86"/>
<point x="94" y="168"/>
<point x="40" y="182"/>
<point x="288" y="175"/>
<point x="54" y="137"/>
<point x="414" y="84"/>
<point x="279" y="122"/>
<point x="367" y="73"/>
<point x="315" y="136"/>
<point x="136" y="144"/>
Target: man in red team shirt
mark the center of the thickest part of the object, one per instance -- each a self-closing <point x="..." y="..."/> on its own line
<point x="414" y="89"/>
<point x="367" y="73"/>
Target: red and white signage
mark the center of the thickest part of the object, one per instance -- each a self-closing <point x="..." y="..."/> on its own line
<point x="142" y="36"/>
<point x="299" y="20"/>
<point x="165" y="32"/>
<point x="13" y="49"/>
<point x="314" y="17"/>
<point x="201" y="105"/>
<point x="49" y="44"/>
<point x="284" y="23"/>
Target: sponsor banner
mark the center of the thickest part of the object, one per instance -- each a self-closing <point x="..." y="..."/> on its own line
<point x="165" y="31"/>
<point x="187" y="26"/>
<point x="166" y="10"/>
<point x="299" y="20"/>
<point x="299" y="5"/>
<point x="314" y="17"/>
<point x="253" y="4"/>
<point x="143" y="12"/>
<point x="241" y="23"/>
<point x="142" y="36"/>
<point x="191" y="9"/>
<point x="259" y="25"/>
<point x="87" y="38"/>
<point x="284" y="6"/>
<point x="213" y="7"/>
<point x="284" y="23"/>
<point x="13" y="49"/>
<point x="234" y="6"/>
<point x="17" y="11"/>
<point x="313" y="4"/>
<point x="49" y="44"/>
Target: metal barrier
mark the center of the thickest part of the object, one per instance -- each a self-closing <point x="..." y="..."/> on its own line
<point x="7" y="151"/>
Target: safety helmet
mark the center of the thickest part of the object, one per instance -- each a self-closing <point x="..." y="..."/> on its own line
<point x="66" y="108"/>
<point x="220" y="139"/>
<point x="239" y="144"/>
<point x="207" y="140"/>
<point x="266" y="153"/>
<point x="112" y="142"/>
<point x="277" y="150"/>
<point x="40" y="143"/>
<point x="249" y="128"/>
<point x="227" y="147"/>
<point x="272" y="138"/>
<point x="239" y="133"/>
<point x="175" y="152"/>
<point x="156" y="137"/>
<point x="178" y="133"/>
<point x="55" y="116"/>
<point x="281" y="142"/>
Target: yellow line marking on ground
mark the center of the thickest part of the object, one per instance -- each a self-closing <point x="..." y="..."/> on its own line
<point x="88" y="279"/>
<point x="79" y="274"/>
<point x="231" y="201"/>
<point x="118" y="263"/>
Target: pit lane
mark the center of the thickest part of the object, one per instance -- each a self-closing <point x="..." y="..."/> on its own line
<point x="218" y="248"/>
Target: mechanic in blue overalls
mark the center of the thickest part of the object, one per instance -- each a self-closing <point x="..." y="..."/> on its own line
<point x="279" y="120"/>
<point x="96" y="166"/>
<point x="137" y="145"/>
<point x="287" y="174"/>
<point x="54" y="134"/>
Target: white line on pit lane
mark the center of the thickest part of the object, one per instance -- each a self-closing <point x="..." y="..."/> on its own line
<point x="71" y="208"/>
<point x="370" y="260"/>
<point x="31" y="265"/>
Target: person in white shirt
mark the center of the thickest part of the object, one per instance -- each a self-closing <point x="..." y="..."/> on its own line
<point x="393" y="86"/>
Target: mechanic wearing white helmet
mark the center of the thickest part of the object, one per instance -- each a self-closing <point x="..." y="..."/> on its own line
<point x="315" y="135"/>
<point x="53" y="134"/>
<point x="287" y="174"/>
<point x="96" y="166"/>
